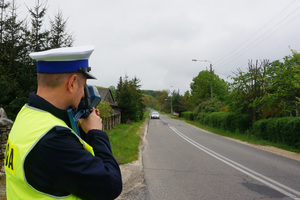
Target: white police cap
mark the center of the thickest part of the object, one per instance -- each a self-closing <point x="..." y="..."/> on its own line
<point x="64" y="60"/>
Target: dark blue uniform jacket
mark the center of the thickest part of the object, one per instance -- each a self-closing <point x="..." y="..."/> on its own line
<point x="59" y="165"/>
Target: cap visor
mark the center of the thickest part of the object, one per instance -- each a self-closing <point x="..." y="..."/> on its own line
<point x="89" y="76"/>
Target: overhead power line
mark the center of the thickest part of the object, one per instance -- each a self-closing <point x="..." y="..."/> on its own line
<point x="249" y="45"/>
<point x="252" y="36"/>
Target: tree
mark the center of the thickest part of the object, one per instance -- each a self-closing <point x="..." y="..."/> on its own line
<point x="17" y="69"/>
<point x="188" y="105"/>
<point x="283" y="90"/>
<point x="268" y="89"/>
<point x="38" y="38"/>
<point x="58" y="35"/>
<point x="297" y="80"/>
<point x="18" y="76"/>
<point x="177" y="102"/>
<point x="162" y="98"/>
<point x="249" y="88"/>
<point x="139" y="106"/>
<point x="119" y="87"/>
<point x="200" y="88"/>
<point x="150" y="101"/>
<point x="105" y="110"/>
<point x="129" y="98"/>
<point x="3" y="7"/>
<point x="149" y="92"/>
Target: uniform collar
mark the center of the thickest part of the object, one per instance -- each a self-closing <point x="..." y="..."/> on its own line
<point x="40" y="103"/>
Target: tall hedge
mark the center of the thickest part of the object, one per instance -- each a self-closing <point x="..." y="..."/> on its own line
<point x="189" y="115"/>
<point x="284" y="130"/>
<point x="226" y="120"/>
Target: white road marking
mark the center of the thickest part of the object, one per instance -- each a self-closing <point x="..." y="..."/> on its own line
<point x="255" y="175"/>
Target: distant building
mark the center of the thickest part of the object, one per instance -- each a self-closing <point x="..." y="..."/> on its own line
<point x="115" y="119"/>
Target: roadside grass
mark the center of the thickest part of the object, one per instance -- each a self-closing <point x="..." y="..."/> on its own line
<point x="248" y="137"/>
<point x="125" y="140"/>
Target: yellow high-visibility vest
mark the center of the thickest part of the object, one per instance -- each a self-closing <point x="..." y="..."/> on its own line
<point x="30" y="126"/>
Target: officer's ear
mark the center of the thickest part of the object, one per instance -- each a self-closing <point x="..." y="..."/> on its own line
<point x="72" y="83"/>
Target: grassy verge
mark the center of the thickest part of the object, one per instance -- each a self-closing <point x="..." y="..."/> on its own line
<point x="249" y="138"/>
<point x="125" y="140"/>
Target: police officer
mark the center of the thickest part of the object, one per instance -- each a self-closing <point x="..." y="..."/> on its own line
<point x="45" y="159"/>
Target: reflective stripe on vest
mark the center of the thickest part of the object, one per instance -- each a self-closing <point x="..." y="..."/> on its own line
<point x="30" y="126"/>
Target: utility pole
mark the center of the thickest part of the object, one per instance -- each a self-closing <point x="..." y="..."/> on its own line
<point x="171" y="101"/>
<point x="211" y="84"/>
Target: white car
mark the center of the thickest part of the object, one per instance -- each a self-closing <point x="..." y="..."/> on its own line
<point x="155" y="115"/>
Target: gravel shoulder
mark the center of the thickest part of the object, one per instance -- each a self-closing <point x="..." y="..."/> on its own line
<point x="288" y="154"/>
<point x="275" y="150"/>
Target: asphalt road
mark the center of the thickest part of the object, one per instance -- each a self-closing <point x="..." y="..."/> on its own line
<point x="184" y="162"/>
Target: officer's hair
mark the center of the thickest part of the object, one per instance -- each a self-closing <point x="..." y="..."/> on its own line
<point x="56" y="79"/>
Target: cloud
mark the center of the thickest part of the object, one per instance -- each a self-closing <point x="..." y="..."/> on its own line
<point x="156" y="40"/>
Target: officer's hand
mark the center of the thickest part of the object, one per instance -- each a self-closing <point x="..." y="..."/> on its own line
<point x="93" y="121"/>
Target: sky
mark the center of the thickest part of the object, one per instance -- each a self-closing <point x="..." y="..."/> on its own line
<point x="156" y="40"/>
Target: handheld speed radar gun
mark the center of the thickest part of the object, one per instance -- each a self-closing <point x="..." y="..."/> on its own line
<point x="90" y="100"/>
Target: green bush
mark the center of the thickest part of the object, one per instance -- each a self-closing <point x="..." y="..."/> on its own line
<point x="240" y="122"/>
<point x="226" y="120"/>
<point x="211" y="106"/>
<point x="284" y="130"/>
<point x="259" y="128"/>
<point x="201" y="116"/>
<point x="189" y="115"/>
